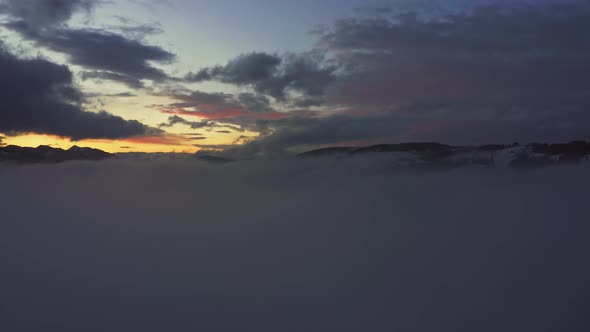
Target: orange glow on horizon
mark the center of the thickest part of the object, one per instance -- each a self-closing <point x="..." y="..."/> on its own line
<point x="166" y="143"/>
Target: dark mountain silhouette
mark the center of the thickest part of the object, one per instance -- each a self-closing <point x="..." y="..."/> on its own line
<point x="47" y="154"/>
<point x="435" y="155"/>
<point x="428" y="155"/>
<point x="429" y="148"/>
<point x="213" y="159"/>
<point x="329" y="152"/>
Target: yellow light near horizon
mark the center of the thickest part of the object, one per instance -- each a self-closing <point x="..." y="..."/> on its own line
<point x="112" y="146"/>
<point x="169" y="143"/>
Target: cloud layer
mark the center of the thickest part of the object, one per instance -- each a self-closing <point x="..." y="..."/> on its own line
<point x="297" y="245"/>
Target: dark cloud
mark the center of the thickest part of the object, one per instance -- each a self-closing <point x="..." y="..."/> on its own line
<point x="283" y="135"/>
<point x="139" y="31"/>
<point x="154" y="5"/>
<point x="112" y="56"/>
<point x="123" y="94"/>
<point x="42" y="14"/>
<point x="37" y="96"/>
<point x="207" y="148"/>
<point x="175" y="119"/>
<point x="420" y="123"/>
<point x="306" y="73"/>
<point x="200" y="98"/>
<point x="129" y="81"/>
<point x="127" y="94"/>
<point x="237" y="111"/>
<point x="136" y="30"/>
<point x="307" y="102"/>
<point x="480" y="74"/>
<point x="255" y="103"/>
<point x="497" y="73"/>
<point x="203" y="124"/>
<point x="491" y="55"/>
<point x="244" y="69"/>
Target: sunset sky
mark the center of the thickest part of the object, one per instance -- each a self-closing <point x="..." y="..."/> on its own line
<point x="254" y="177"/>
<point x="263" y="77"/>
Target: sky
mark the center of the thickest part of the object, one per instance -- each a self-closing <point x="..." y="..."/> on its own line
<point x="263" y="78"/>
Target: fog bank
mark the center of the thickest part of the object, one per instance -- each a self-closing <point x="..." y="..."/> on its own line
<point x="294" y="245"/>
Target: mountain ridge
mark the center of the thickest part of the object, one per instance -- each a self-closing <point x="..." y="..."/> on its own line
<point x="48" y="154"/>
<point x="437" y="155"/>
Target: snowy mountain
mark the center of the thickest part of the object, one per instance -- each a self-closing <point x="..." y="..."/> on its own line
<point x="441" y="156"/>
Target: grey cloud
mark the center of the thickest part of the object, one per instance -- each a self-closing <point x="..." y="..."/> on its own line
<point x="204" y="124"/>
<point x="123" y="94"/>
<point x="305" y="73"/>
<point x="129" y="81"/>
<point x="208" y="148"/>
<point x="493" y="74"/>
<point x="135" y="30"/>
<point x="443" y="123"/>
<point x="41" y="14"/>
<point x="499" y="54"/>
<point x="255" y="103"/>
<point x="37" y="96"/>
<point x="496" y="73"/>
<point x="172" y="120"/>
<point x="200" y="76"/>
<point x="155" y="5"/>
<point x="104" y="51"/>
<point x="205" y="102"/>
<point x="241" y="110"/>
<point x="307" y="102"/>
<point x="111" y="55"/>
<point x="244" y="69"/>
<point x="280" y="136"/>
<point x="87" y="96"/>
<point x="175" y="119"/>
<point x="201" y="97"/>
<point x="139" y="31"/>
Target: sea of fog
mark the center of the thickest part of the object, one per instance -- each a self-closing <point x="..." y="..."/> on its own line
<point x="295" y="245"/>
